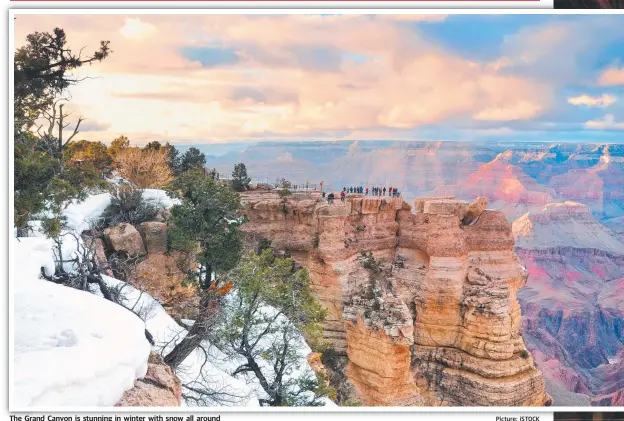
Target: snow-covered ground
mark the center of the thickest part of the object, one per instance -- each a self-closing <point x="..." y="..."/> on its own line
<point x="166" y="333"/>
<point x="73" y="348"/>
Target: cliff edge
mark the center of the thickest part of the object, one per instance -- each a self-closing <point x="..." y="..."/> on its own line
<point x="422" y="303"/>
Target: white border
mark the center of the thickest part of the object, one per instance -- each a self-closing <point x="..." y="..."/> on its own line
<point x="17" y="9"/>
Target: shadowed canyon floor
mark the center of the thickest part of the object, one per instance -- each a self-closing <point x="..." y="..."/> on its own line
<point x="423" y="304"/>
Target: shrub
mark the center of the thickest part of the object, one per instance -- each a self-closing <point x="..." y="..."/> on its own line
<point x="284" y="192"/>
<point x="144" y="168"/>
<point x="360" y="228"/>
<point x="263" y="244"/>
<point x="352" y="402"/>
<point x="240" y="180"/>
<point x="524" y="354"/>
<point x="127" y="205"/>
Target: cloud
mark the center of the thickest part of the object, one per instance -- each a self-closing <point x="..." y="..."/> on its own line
<point x="223" y="77"/>
<point x="135" y="28"/>
<point x="602" y="101"/>
<point x="612" y="77"/>
<point x="607" y="122"/>
<point x="93" y="126"/>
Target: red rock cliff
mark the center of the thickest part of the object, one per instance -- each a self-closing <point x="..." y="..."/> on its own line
<point x="423" y="304"/>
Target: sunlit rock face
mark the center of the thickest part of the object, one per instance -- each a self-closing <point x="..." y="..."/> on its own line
<point x="573" y="303"/>
<point x="422" y="304"/>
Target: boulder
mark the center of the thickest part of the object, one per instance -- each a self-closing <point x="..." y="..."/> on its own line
<point x="163" y="215"/>
<point x="125" y="238"/>
<point x="154" y="236"/>
<point x="474" y="210"/>
<point x="159" y="387"/>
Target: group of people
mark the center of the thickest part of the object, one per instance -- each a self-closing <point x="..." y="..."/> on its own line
<point x="375" y="191"/>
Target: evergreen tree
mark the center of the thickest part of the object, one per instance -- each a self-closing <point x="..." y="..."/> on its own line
<point x="240" y="180"/>
<point x="85" y="152"/>
<point x="272" y="305"/>
<point x="33" y="169"/>
<point x="154" y="145"/>
<point x="173" y="158"/>
<point x="204" y="229"/>
<point x="192" y="159"/>
<point x="117" y="145"/>
<point x="42" y="72"/>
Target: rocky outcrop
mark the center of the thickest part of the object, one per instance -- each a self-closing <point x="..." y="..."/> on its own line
<point x="154" y="236"/>
<point x="125" y="238"/>
<point x="573" y="304"/>
<point x="159" y="387"/>
<point x="475" y="210"/>
<point x="149" y="266"/>
<point x="423" y="306"/>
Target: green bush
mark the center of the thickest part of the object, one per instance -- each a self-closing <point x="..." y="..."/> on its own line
<point x="352" y="402"/>
<point x="127" y="205"/>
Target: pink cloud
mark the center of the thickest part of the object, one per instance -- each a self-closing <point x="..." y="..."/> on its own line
<point x="612" y="77"/>
<point x="148" y="86"/>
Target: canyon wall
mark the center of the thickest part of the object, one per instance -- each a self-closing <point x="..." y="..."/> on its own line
<point x="573" y="304"/>
<point x="423" y="303"/>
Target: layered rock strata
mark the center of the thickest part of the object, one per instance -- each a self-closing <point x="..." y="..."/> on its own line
<point x="423" y="306"/>
<point x="573" y="304"/>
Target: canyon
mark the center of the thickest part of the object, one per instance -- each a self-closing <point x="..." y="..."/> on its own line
<point x="422" y="300"/>
<point x="573" y="311"/>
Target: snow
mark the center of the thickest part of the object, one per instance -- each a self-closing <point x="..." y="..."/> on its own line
<point x="166" y="333"/>
<point x="74" y="348"/>
<point x="159" y="198"/>
<point x="293" y="372"/>
<point x="71" y="348"/>
<point x="80" y="216"/>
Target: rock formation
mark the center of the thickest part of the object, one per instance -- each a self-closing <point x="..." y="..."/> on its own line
<point x="159" y="387"/>
<point x="423" y="306"/>
<point x="125" y="238"/>
<point x="573" y="303"/>
<point x="148" y="265"/>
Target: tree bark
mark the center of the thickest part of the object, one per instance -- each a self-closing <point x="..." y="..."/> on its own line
<point x="208" y="308"/>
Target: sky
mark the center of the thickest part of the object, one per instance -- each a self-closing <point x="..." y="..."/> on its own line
<point x="230" y="78"/>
